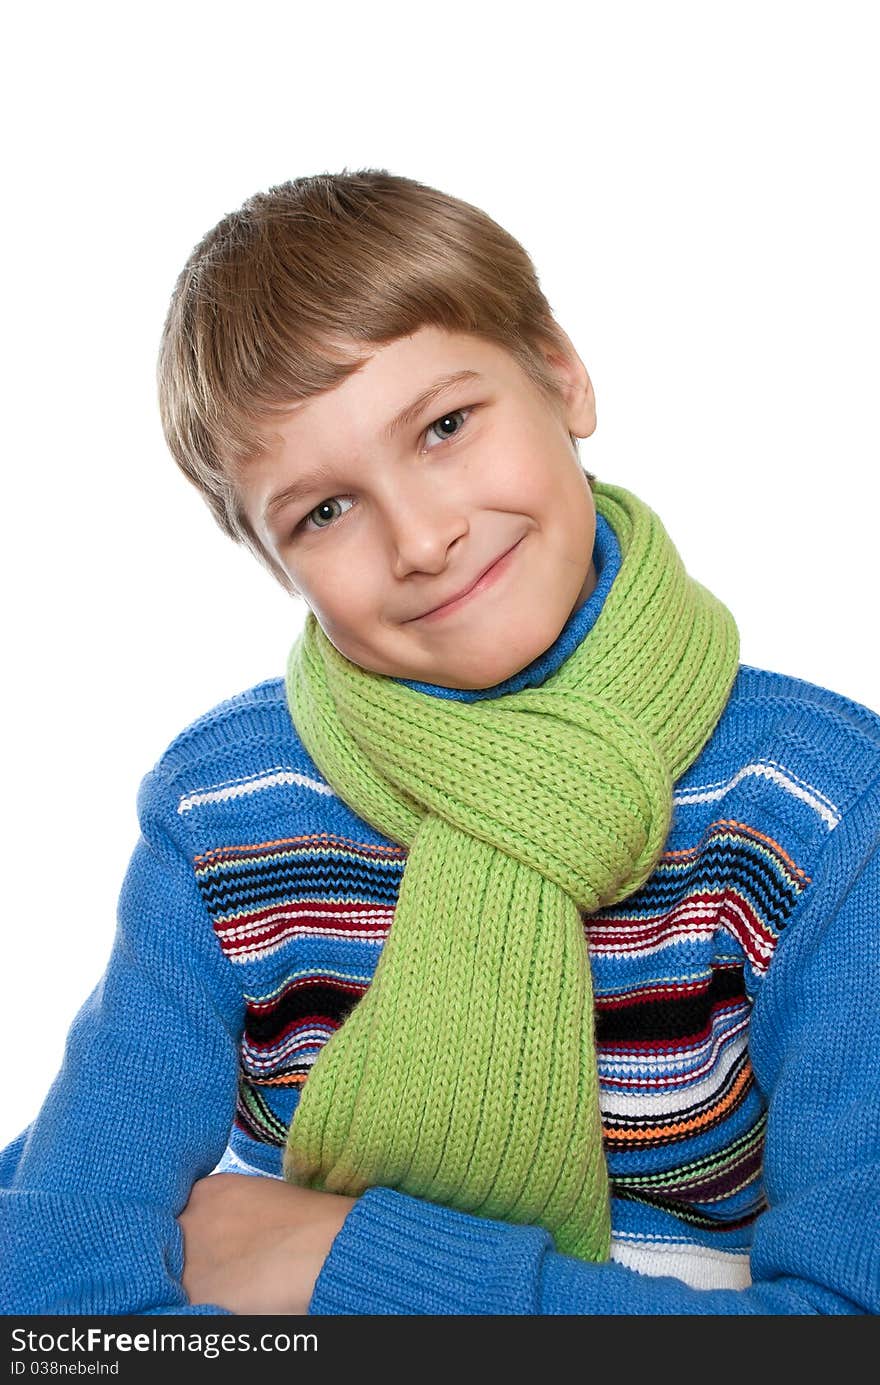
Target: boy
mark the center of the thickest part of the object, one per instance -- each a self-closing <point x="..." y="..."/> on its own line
<point x="613" y="1056"/>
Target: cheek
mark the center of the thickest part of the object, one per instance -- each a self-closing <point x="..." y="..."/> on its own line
<point x="346" y="605"/>
<point x="532" y="461"/>
<point x="516" y="480"/>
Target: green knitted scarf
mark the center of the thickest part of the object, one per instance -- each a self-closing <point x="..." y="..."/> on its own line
<point x="466" y="1074"/>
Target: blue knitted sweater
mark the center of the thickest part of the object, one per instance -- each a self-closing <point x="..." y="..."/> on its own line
<point x="738" y="1032"/>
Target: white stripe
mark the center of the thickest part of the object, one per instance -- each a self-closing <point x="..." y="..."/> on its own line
<point x="613" y="1073"/>
<point x="244" y="778"/>
<point x="618" y="1104"/>
<point x="256" y="1064"/>
<point x="717" y="783"/>
<point x="630" y="937"/>
<point x="680" y="914"/>
<point x="769" y="769"/>
<point x="252" y="927"/>
<point x="630" y="944"/>
<point x="251" y="785"/>
<point x="249" y="953"/>
<point x="755" y="943"/>
<point x="697" y="1266"/>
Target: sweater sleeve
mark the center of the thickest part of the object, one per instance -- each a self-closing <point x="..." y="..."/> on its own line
<point x="141" y="1108"/>
<point x="815" y="1040"/>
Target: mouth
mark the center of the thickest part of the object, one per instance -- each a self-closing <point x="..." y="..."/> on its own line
<point x="487" y="578"/>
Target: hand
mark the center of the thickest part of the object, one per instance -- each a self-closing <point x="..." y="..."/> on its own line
<point x="257" y="1245"/>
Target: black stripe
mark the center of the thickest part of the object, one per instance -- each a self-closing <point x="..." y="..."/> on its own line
<point x="718" y="865"/>
<point x="257" y="887"/>
<point x="677" y="1018"/>
<point x="690" y="1214"/>
<point x="323" y="1001"/>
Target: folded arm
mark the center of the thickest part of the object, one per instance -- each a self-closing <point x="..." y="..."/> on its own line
<point x="141" y="1108"/>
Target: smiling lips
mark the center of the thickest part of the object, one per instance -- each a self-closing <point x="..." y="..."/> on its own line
<point x="485" y="579"/>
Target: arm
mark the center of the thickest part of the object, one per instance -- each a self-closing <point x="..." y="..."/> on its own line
<point x="256" y="1245"/>
<point x="815" y="1037"/>
<point x="141" y="1108"/>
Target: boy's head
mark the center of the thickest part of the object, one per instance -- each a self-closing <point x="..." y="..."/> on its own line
<point x="306" y="324"/>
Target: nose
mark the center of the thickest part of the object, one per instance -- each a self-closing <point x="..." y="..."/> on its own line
<point x="423" y="525"/>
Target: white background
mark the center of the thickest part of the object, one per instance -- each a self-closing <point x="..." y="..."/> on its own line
<point x="697" y="185"/>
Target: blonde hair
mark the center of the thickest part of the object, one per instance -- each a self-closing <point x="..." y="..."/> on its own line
<point x="270" y="298"/>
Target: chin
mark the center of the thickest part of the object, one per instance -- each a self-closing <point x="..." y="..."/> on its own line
<point x="478" y="681"/>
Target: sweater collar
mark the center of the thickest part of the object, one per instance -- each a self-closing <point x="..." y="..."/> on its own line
<point x="606" y="558"/>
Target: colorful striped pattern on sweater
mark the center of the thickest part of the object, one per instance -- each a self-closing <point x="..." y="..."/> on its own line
<point x="676" y="968"/>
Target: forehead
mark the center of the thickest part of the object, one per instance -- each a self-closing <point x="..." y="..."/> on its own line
<point x="387" y="386"/>
<point x="390" y="375"/>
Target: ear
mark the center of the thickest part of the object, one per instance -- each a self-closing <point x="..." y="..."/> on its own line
<point x="577" y="401"/>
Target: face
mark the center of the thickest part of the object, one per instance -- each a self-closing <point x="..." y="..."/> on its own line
<point x="449" y="545"/>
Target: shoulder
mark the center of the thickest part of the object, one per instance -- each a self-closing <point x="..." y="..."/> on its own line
<point x="257" y="713"/>
<point x="816" y="747"/>
<point x="240" y="772"/>
<point x="231" y="742"/>
<point x="775" y="694"/>
<point x="228" y="744"/>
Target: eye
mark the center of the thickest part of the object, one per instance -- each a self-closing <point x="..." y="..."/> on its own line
<point x="445" y="428"/>
<point x="322" y="518"/>
<point x="442" y="425"/>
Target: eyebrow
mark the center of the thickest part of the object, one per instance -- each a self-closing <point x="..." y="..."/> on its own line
<point x="307" y="483"/>
<point x="413" y="409"/>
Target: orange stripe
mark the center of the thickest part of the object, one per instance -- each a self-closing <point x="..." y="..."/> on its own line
<point x="746" y="830"/>
<point x="315" y="838"/>
<point x="615" y="1135"/>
